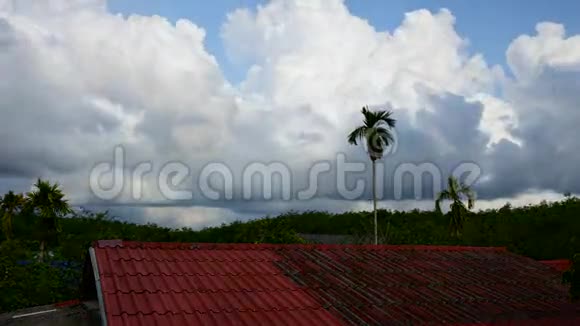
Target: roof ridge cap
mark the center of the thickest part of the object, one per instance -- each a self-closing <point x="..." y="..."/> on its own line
<point x="112" y="243"/>
<point x="108" y="243"/>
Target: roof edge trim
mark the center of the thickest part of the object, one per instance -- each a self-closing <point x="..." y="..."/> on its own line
<point x="98" y="286"/>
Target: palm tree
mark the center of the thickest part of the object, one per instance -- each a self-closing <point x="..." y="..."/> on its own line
<point x="10" y="205"/>
<point x="48" y="201"/>
<point x="456" y="193"/>
<point x="376" y="131"/>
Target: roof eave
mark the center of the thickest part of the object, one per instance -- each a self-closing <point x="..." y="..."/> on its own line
<point x="98" y="286"/>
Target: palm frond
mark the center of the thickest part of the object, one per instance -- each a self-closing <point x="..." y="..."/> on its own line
<point x="385" y="117"/>
<point x="49" y="200"/>
<point x="469" y="194"/>
<point x="444" y="195"/>
<point x="375" y="143"/>
<point x="376" y="118"/>
<point x="375" y="131"/>
<point x="368" y="117"/>
<point x="356" y="135"/>
<point x="386" y="135"/>
<point x="11" y="201"/>
<point x="453" y="187"/>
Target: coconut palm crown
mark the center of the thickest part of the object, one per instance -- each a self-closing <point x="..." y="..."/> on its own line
<point x="10" y="205"/>
<point x="376" y="132"/>
<point x="456" y="193"/>
<point x="48" y="201"/>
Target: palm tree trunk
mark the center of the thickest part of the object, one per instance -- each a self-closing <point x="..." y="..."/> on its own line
<point x="42" y="249"/>
<point x="375" y="202"/>
<point x="7" y="225"/>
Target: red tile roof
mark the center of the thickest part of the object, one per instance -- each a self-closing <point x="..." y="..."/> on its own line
<point x="247" y="284"/>
<point x="561" y="265"/>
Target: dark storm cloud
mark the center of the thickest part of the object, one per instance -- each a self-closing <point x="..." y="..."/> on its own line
<point x="548" y="108"/>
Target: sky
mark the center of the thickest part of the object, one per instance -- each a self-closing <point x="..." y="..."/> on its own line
<point x="489" y="26"/>
<point x="183" y="113"/>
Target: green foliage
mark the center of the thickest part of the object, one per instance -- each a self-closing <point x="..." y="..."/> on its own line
<point x="10" y="205"/>
<point x="572" y="277"/>
<point x="47" y="201"/>
<point x="456" y="193"/>
<point x="34" y="283"/>
<point x="376" y="132"/>
<point x="544" y="231"/>
<point x="265" y="230"/>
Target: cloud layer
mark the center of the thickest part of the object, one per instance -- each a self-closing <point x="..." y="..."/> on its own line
<point x="78" y="80"/>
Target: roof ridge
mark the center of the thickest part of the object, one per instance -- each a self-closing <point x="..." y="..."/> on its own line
<point x="266" y="246"/>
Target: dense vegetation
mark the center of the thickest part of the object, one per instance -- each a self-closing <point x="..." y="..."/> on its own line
<point x="572" y="277"/>
<point x="27" y="278"/>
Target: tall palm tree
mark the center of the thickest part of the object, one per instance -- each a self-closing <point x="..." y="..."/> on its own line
<point x="48" y="201"/>
<point x="456" y="193"/>
<point x="376" y="131"/>
<point x="10" y="204"/>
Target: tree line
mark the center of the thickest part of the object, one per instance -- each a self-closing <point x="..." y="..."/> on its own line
<point x="44" y="242"/>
